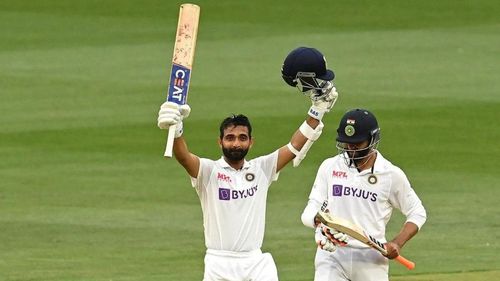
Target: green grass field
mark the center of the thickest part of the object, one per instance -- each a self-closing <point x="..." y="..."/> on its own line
<point x="86" y="195"/>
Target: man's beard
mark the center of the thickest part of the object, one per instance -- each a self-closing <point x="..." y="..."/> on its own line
<point x="359" y="155"/>
<point x="234" y="155"/>
<point x="359" y="158"/>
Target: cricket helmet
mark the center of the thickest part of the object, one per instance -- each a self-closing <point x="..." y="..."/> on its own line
<point x="358" y="125"/>
<point x="355" y="127"/>
<point x="303" y="67"/>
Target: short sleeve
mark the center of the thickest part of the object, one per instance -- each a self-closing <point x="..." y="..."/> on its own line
<point x="203" y="177"/>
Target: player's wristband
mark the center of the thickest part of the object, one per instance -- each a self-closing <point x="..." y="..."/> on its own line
<point x="310" y="133"/>
<point x="316" y="113"/>
<point x="293" y="149"/>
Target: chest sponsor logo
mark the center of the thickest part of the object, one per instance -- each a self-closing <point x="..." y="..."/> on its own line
<point x="230" y="194"/>
<point x="346" y="191"/>
<point x="223" y="177"/>
<point x="339" y="174"/>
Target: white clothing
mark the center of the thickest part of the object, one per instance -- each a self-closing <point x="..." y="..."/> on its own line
<point x="345" y="264"/>
<point x="366" y="198"/>
<point x="234" y="211"/>
<point x="242" y="266"/>
<point x="234" y="201"/>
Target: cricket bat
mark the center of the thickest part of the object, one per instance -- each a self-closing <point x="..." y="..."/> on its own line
<point x="182" y="62"/>
<point x="359" y="234"/>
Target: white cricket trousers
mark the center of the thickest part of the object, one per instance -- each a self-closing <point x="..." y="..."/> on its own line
<point x="351" y="264"/>
<point x="239" y="266"/>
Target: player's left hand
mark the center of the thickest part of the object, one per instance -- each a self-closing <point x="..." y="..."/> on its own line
<point x="323" y="102"/>
<point x="392" y="250"/>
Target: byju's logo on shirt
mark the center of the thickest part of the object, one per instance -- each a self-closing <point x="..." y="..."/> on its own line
<point x="228" y="194"/>
<point x="340" y="190"/>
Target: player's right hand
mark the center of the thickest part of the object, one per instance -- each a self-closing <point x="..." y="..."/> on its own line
<point x="328" y="239"/>
<point x="171" y="114"/>
<point x="323" y="103"/>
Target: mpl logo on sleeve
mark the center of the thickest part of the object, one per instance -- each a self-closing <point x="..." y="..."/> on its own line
<point x="177" y="92"/>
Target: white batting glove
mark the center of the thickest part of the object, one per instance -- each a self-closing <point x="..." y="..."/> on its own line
<point x="322" y="103"/>
<point x="171" y="114"/>
<point x="185" y="111"/>
<point x="328" y="239"/>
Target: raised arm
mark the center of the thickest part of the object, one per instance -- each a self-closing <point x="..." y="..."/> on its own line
<point x="173" y="114"/>
<point x="305" y="68"/>
<point x="310" y="130"/>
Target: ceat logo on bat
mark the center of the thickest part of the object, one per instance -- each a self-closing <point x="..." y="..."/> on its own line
<point x="179" y="83"/>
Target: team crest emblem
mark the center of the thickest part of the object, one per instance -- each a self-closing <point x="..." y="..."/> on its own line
<point x="372" y="179"/>
<point x="249" y="177"/>
<point x="349" y="130"/>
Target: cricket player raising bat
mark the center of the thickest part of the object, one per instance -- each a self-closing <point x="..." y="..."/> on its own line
<point x="233" y="190"/>
<point x="362" y="187"/>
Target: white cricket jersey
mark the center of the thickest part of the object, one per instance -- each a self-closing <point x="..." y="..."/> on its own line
<point x="364" y="198"/>
<point x="234" y="201"/>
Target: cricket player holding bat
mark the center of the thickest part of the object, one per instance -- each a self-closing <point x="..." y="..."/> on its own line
<point x="233" y="190"/>
<point x="361" y="186"/>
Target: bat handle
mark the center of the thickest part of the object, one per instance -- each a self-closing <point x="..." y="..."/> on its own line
<point x="408" y="263"/>
<point x="170" y="141"/>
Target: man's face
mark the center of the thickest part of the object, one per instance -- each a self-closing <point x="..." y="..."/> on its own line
<point x="235" y="143"/>
<point x="357" y="150"/>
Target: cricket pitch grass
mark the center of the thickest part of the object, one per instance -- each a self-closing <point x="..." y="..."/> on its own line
<point x="86" y="194"/>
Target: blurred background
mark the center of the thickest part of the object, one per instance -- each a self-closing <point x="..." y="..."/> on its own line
<point x="86" y="194"/>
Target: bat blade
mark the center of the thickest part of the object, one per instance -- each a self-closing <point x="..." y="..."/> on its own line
<point x="359" y="234"/>
<point x="182" y="61"/>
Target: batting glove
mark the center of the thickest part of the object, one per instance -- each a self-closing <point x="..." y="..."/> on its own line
<point x="324" y="101"/>
<point x="328" y="239"/>
<point x="172" y="114"/>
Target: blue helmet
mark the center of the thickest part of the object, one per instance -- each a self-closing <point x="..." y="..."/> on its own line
<point x="303" y="67"/>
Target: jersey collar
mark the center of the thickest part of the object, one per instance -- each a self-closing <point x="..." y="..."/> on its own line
<point x="378" y="166"/>
<point x="225" y="165"/>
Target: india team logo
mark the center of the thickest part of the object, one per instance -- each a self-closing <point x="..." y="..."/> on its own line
<point x="349" y="130"/>
<point x="249" y="177"/>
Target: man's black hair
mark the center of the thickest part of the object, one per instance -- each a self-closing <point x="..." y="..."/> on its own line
<point x="235" y="120"/>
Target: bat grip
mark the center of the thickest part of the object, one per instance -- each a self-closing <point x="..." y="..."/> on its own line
<point x="170" y="141"/>
<point x="408" y="263"/>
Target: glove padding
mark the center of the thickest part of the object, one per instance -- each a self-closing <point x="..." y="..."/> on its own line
<point x="172" y="114"/>
<point x="324" y="101"/>
<point x="328" y="239"/>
